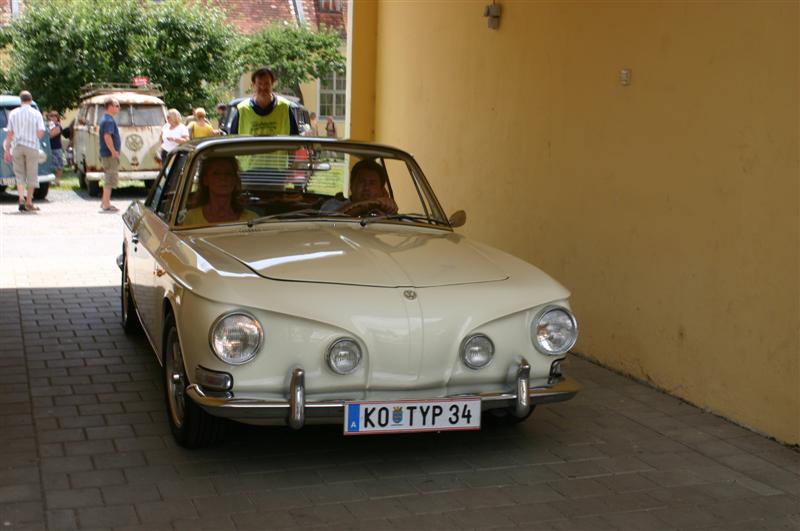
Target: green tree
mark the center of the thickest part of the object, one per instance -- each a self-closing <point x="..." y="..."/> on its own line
<point x="57" y="46"/>
<point x="295" y="54"/>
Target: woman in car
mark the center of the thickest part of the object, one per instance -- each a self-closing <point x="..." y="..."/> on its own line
<point x="219" y="195"/>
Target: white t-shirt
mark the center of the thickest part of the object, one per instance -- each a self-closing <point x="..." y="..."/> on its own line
<point x="172" y="137"/>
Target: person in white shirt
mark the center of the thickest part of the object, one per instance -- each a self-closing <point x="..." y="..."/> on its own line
<point x="25" y="129"/>
<point x="173" y="133"/>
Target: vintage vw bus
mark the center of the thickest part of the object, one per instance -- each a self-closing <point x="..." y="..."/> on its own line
<point x="7" y="104"/>
<point x="141" y="116"/>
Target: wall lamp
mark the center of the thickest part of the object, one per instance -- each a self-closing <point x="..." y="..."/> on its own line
<point x="492" y="12"/>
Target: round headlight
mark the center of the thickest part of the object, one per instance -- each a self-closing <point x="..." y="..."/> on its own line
<point x="236" y="338"/>
<point x="477" y="351"/>
<point x="343" y="356"/>
<point x="555" y="331"/>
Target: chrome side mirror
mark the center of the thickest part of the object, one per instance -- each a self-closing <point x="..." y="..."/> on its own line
<point x="458" y="218"/>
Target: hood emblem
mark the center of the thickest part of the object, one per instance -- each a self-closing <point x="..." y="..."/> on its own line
<point x="410" y="294"/>
<point x="134" y="142"/>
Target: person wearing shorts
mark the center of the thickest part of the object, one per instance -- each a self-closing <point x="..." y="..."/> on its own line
<point x="25" y="129"/>
<point x="110" y="144"/>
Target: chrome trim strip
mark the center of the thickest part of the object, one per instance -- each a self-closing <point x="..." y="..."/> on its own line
<point x="297" y="399"/>
<point x="523" y="405"/>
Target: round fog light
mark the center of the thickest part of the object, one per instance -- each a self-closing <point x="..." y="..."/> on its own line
<point x="477" y="351"/>
<point x="343" y="356"/>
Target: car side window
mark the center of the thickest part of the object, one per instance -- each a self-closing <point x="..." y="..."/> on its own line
<point x="162" y="197"/>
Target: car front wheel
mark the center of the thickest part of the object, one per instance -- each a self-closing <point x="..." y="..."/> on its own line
<point x="190" y="425"/>
<point x="130" y="320"/>
<point x="505" y="416"/>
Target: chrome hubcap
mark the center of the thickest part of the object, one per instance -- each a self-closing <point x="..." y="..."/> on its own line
<point x="175" y="384"/>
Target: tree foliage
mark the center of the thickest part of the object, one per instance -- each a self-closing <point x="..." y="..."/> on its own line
<point x="295" y="54"/>
<point x="57" y="46"/>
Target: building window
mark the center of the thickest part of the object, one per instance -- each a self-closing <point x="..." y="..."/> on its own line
<point x="330" y="6"/>
<point x="332" y="96"/>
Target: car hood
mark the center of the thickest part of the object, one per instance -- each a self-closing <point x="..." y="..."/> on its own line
<point x="346" y="253"/>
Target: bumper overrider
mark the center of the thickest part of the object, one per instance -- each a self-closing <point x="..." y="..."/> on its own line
<point x="296" y="411"/>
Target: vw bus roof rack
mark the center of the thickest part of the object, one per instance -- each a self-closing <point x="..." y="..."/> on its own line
<point x="97" y="89"/>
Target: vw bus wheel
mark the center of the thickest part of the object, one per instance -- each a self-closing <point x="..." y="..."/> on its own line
<point x="93" y="187"/>
<point x="41" y="192"/>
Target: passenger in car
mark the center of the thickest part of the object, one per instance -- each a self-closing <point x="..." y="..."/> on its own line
<point x="219" y="194"/>
<point x="368" y="191"/>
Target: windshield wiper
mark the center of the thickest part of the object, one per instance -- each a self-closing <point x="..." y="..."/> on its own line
<point x="402" y="217"/>
<point x="304" y="213"/>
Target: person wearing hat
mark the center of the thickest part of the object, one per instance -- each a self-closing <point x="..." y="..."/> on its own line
<point x="264" y="114"/>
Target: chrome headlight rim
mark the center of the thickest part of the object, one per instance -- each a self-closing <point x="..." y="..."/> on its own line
<point x="224" y="316"/>
<point x="329" y="351"/>
<point x="537" y="319"/>
<point x="463" y="350"/>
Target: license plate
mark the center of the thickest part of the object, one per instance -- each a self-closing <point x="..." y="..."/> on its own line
<point x="366" y="418"/>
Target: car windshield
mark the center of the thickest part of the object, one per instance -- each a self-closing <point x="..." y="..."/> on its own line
<point x="140" y="115"/>
<point x="270" y="182"/>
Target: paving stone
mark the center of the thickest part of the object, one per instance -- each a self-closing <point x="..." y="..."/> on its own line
<point x="164" y="512"/>
<point x="96" y="478"/>
<point x="111" y="516"/>
<point x="73" y="498"/>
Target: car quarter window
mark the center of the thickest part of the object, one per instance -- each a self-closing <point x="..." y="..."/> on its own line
<point x="162" y="197"/>
<point x="3" y="118"/>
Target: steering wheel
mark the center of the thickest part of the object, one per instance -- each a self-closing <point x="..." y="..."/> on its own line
<point x="365" y="208"/>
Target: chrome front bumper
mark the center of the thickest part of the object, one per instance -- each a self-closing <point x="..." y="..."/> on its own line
<point x="296" y="411"/>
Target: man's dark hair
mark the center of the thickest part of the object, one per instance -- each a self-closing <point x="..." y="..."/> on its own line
<point x="263" y="71"/>
<point x="369" y="165"/>
<point x="25" y="97"/>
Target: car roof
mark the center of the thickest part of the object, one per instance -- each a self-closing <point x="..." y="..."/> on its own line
<point x="125" y="97"/>
<point x="7" y="100"/>
<point x="10" y="100"/>
<point x="201" y="144"/>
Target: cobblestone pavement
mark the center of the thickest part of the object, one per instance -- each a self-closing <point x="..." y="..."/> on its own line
<point x="86" y="445"/>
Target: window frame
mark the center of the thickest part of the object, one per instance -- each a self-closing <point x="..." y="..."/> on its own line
<point x="336" y="93"/>
<point x="330" y="6"/>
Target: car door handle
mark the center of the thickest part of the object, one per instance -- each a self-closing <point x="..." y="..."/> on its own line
<point x="134" y="238"/>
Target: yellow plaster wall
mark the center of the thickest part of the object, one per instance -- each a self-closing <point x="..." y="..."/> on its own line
<point x="669" y="207"/>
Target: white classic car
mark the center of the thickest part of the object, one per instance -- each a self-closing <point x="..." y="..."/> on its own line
<point x="287" y="280"/>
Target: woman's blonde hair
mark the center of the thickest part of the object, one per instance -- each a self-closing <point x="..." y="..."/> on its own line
<point x="200" y="112"/>
<point x="173" y="113"/>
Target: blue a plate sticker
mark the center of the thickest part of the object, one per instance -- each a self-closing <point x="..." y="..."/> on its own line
<point x="352" y="417"/>
<point x="365" y="418"/>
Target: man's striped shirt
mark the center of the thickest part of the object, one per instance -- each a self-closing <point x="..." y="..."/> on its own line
<point x="24" y="122"/>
